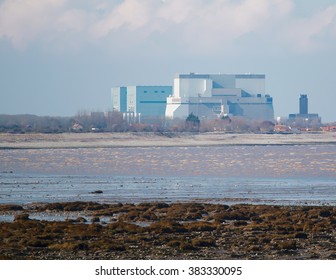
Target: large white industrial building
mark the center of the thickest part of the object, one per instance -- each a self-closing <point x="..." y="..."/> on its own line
<point x="205" y="95"/>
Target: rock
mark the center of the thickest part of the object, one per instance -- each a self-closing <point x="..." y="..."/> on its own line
<point x="22" y="217"/>
<point x="301" y="235"/>
<point x="81" y="220"/>
<point x="95" y="220"/>
<point x="11" y="207"/>
<point x="325" y="213"/>
<point x="97" y="192"/>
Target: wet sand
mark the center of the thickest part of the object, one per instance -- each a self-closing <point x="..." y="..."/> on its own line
<point x="168" y="231"/>
<point x="110" y="140"/>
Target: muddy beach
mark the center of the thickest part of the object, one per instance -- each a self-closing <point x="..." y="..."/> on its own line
<point x="90" y="196"/>
<point x="158" y="230"/>
<point x="114" y="140"/>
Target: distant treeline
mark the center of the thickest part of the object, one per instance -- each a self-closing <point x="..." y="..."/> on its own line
<point x="47" y="124"/>
<point x="116" y="122"/>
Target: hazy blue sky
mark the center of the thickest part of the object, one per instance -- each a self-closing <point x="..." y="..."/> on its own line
<point x="61" y="56"/>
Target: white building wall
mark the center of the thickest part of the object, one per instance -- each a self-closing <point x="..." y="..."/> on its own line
<point x="176" y="88"/>
<point x="131" y="99"/>
<point x="223" y="80"/>
<point x="186" y="88"/>
<point x="258" y="111"/>
<point x="239" y="94"/>
<point x="252" y="86"/>
<point x="176" y="108"/>
<point x="118" y="95"/>
<point x="226" y="91"/>
<point x="207" y="88"/>
<point x="115" y="96"/>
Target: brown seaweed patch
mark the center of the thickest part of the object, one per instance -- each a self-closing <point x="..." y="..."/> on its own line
<point x="70" y="206"/>
<point x="287" y="245"/>
<point x="10" y="207"/>
<point x="122" y="227"/>
<point x="200" y="226"/>
<point x="203" y="242"/>
<point x="167" y="227"/>
<point x="251" y="232"/>
<point x="21" y="217"/>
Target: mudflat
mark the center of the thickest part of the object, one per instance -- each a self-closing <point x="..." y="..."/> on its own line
<point x="158" y="230"/>
<point x="106" y="140"/>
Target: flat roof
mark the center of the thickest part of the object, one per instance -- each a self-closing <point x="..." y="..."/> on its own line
<point x="208" y="76"/>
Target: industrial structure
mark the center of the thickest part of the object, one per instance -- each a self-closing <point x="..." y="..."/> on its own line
<point x="210" y="95"/>
<point x="141" y="100"/>
<point x="303" y="118"/>
<point x="205" y="95"/>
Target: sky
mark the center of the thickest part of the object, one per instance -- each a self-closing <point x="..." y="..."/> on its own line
<point x="59" y="57"/>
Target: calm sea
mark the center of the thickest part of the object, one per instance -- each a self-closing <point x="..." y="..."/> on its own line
<point x="290" y="175"/>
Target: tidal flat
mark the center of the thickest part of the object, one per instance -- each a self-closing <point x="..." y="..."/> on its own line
<point x="169" y="139"/>
<point x="159" y="230"/>
<point x="174" y="196"/>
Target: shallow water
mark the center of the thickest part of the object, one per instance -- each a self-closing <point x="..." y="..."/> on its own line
<point x="223" y="161"/>
<point x="226" y="174"/>
<point x="23" y="189"/>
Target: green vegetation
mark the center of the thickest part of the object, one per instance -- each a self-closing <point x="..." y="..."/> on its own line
<point x="193" y="123"/>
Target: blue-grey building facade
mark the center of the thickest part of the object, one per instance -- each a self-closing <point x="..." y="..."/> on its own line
<point x="143" y="100"/>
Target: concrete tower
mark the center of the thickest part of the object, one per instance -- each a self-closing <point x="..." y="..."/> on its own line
<point x="303" y="104"/>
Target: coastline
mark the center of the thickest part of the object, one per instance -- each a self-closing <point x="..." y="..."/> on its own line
<point x="156" y="230"/>
<point x="129" y="140"/>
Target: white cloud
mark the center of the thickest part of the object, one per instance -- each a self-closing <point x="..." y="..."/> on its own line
<point x="71" y="20"/>
<point x="24" y="21"/>
<point x="196" y="24"/>
<point x="313" y="33"/>
<point x="131" y="15"/>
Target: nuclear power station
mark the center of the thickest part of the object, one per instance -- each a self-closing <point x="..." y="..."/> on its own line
<point x="205" y="95"/>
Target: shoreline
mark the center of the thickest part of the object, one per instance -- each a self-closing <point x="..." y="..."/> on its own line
<point x="157" y="230"/>
<point x="144" y="140"/>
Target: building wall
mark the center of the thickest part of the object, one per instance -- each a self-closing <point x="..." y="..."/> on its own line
<point x="119" y="99"/>
<point x="176" y="108"/>
<point x="233" y="92"/>
<point x="255" y="111"/>
<point x="252" y="84"/>
<point x="131" y="99"/>
<point x="303" y="107"/>
<point x="144" y="100"/>
<point x="192" y="87"/>
<point x="223" y="81"/>
<point x="206" y="108"/>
